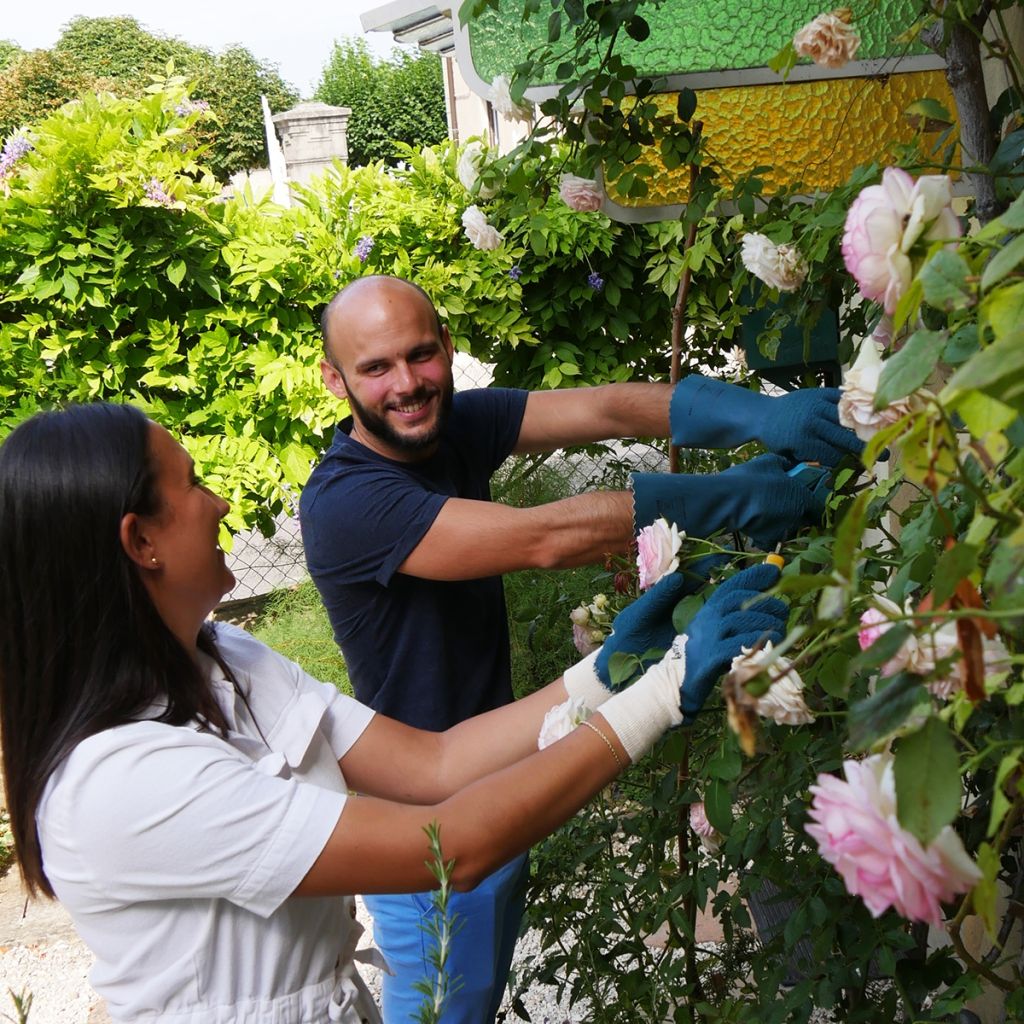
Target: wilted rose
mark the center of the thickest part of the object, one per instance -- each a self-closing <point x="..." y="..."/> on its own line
<point x="857" y="402"/>
<point x="885" y="222"/>
<point x="855" y="826"/>
<point x="829" y="40"/>
<point x="657" y="551"/>
<point x="471" y="163"/>
<point x="784" y="701"/>
<point x="500" y="96"/>
<point x="584" y="195"/>
<point x="479" y="231"/>
<point x="779" y="266"/>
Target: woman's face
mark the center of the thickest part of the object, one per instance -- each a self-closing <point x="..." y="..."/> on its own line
<point x="189" y="571"/>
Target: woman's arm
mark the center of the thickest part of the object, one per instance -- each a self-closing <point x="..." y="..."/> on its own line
<point x="381" y="846"/>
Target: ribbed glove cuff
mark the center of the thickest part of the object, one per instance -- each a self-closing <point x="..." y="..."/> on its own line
<point x="641" y="714"/>
<point x="582" y="682"/>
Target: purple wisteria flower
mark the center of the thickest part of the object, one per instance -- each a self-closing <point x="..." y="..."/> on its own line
<point x="364" y="247"/>
<point x="186" y="107"/>
<point x="14" y="149"/>
<point x="155" y="192"/>
<point x="515" y="272"/>
<point x="595" y="281"/>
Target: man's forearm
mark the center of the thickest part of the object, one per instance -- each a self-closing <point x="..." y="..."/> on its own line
<point x="573" y="416"/>
<point x="472" y="539"/>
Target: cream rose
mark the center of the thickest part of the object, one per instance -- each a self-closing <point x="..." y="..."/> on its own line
<point x="471" y="163"/>
<point x="779" y="266"/>
<point x="829" y="40"/>
<point x="501" y="99"/>
<point x="857" y="402"/>
<point x="784" y="702"/>
<point x="479" y="231"/>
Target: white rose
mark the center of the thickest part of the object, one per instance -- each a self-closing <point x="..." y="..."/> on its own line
<point x="561" y="720"/>
<point x="779" y="266"/>
<point x="501" y="99"/>
<point x="829" y="40"/>
<point x="584" y="195"/>
<point x="471" y="162"/>
<point x="479" y="231"/>
<point x="857" y="402"/>
<point x="784" y="702"/>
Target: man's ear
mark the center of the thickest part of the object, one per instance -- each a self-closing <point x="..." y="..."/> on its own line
<point x="136" y="542"/>
<point x="446" y="340"/>
<point x="333" y="379"/>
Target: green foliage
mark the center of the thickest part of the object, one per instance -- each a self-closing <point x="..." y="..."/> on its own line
<point x="6" y="843"/>
<point x="295" y="624"/>
<point x="118" y="54"/>
<point x="395" y="100"/>
<point x="9" y="52"/>
<point x="126" y="277"/>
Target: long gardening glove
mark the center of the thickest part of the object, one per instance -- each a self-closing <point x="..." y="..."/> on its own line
<point x="674" y="690"/>
<point x="801" y="425"/>
<point x="756" y="498"/>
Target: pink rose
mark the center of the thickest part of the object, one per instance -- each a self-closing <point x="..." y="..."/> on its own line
<point x="710" y="837"/>
<point x="657" y="551"/>
<point x="583" y="195"/>
<point x="873" y="623"/>
<point x="829" y="40"/>
<point x="885" y="222"/>
<point x="855" y="826"/>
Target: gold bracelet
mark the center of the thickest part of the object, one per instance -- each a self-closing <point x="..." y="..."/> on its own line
<point x="607" y="743"/>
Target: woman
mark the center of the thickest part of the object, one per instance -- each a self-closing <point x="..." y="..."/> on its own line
<point x="189" y="795"/>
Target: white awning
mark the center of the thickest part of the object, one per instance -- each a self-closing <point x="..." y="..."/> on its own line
<point x="412" y="21"/>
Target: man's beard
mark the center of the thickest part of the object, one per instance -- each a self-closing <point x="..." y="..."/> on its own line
<point x="380" y="428"/>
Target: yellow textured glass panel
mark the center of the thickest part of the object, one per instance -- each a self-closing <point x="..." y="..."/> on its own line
<point x="810" y="133"/>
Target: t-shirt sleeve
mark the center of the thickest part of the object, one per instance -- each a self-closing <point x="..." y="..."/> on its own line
<point x="490" y="419"/>
<point x="362" y="526"/>
<point x="161" y="812"/>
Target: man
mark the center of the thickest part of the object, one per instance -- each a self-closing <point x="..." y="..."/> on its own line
<point x="407" y="550"/>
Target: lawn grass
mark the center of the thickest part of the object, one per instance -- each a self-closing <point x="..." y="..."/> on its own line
<point x="295" y="624"/>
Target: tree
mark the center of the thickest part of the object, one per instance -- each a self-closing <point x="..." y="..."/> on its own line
<point x="400" y="99"/>
<point x="9" y="52"/>
<point x="121" y="56"/>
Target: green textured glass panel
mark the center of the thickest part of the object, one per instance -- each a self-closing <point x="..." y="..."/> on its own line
<point x="693" y="35"/>
<point x="811" y="134"/>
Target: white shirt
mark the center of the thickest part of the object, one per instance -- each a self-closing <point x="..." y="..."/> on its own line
<point x="176" y="851"/>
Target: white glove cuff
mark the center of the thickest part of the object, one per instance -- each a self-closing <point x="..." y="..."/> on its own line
<point x="642" y="713"/>
<point x="582" y="683"/>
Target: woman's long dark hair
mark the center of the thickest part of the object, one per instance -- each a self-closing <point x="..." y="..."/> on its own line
<point x="82" y="647"/>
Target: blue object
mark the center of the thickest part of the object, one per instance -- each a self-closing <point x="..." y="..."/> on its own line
<point x="487" y="923"/>
<point x="801" y="425"/>
<point x="646" y="624"/>
<point x="756" y="498"/>
<point x="736" y="615"/>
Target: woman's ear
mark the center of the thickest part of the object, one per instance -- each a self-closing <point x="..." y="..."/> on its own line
<point x="136" y="543"/>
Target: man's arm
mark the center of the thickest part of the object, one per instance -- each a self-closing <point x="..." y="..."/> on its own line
<point x="470" y="539"/>
<point x="558" y="419"/>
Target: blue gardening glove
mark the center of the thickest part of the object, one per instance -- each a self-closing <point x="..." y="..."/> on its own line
<point x="723" y="626"/>
<point x="646" y="624"/>
<point x="756" y="498"/>
<point x="801" y="425"/>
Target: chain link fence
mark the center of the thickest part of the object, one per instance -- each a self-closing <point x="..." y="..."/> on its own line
<point x="264" y="564"/>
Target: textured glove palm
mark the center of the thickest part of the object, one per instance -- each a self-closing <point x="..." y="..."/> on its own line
<point x="801" y="425"/>
<point x="735" y="616"/>
<point x="757" y="498"/>
<point x="646" y="624"/>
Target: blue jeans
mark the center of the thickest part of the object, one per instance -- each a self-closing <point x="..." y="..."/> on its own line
<point x="487" y="922"/>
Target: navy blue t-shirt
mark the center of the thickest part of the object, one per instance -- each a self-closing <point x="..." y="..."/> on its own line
<point x="429" y="653"/>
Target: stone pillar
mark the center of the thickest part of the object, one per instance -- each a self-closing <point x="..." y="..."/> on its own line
<point x="313" y="136"/>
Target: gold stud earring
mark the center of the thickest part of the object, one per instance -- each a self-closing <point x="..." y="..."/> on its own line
<point x="154" y="561"/>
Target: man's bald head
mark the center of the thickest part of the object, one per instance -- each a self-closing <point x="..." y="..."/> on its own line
<point x="346" y="311"/>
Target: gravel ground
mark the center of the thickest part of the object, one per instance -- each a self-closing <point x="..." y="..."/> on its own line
<point x="40" y="954"/>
